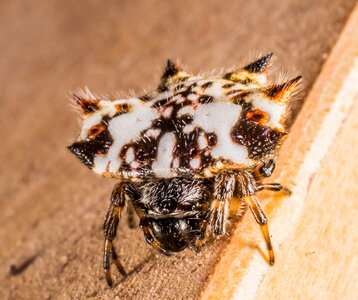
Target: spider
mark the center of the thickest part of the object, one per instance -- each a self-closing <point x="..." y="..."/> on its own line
<point x="189" y="156"/>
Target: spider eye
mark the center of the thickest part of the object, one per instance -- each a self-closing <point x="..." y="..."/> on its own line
<point x="95" y="130"/>
<point x="257" y="116"/>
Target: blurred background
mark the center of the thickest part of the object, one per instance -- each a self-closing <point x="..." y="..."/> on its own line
<point x="51" y="207"/>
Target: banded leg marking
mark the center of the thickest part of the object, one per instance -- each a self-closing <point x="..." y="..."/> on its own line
<point x="261" y="219"/>
<point x="276" y="187"/>
<point x="110" y="227"/>
<point x="224" y="187"/>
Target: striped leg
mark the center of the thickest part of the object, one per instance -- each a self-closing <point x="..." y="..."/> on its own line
<point x="224" y="187"/>
<point x="276" y="187"/>
<point x="262" y="221"/>
<point x="110" y="230"/>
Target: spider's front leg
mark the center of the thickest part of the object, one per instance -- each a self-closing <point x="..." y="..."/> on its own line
<point x="247" y="186"/>
<point x="110" y="230"/>
<point x="224" y="186"/>
<point x="261" y="219"/>
<point x="275" y="187"/>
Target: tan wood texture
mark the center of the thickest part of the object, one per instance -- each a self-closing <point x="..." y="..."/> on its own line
<point x="51" y="207"/>
<point x="316" y="225"/>
<point x="319" y="258"/>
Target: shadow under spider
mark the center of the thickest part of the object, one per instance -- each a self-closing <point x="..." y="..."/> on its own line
<point x="137" y="268"/>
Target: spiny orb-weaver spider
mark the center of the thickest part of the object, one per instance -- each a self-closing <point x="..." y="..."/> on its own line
<point x="189" y="156"/>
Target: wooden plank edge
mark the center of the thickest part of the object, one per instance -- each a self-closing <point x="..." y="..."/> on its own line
<point x="242" y="266"/>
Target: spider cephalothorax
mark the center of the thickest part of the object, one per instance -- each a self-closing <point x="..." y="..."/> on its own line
<point x="188" y="156"/>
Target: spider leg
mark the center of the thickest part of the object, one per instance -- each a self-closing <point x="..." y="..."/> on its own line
<point x="261" y="219"/>
<point x="276" y="187"/>
<point x="224" y="187"/>
<point x="237" y="209"/>
<point x="110" y="227"/>
<point x="130" y="216"/>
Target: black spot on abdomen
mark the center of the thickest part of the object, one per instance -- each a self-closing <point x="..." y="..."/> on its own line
<point x="87" y="150"/>
<point x="259" y="140"/>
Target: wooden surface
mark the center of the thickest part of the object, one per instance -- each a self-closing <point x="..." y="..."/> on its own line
<point x="51" y="207"/>
<point x="319" y="258"/>
<point x="312" y="175"/>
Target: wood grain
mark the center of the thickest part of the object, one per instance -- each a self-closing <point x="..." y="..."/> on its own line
<point x="318" y="260"/>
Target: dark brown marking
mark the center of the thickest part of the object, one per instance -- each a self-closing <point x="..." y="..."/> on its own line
<point x="145" y="97"/>
<point x="278" y="90"/>
<point x="257" y="116"/>
<point x="170" y="70"/>
<point x="228" y="85"/>
<point x="87" y="106"/>
<point x="122" y="108"/>
<point x="161" y="103"/>
<point x="240" y="98"/>
<point x="184" y="78"/>
<point x="95" y="130"/>
<point x="179" y="87"/>
<point x="88" y="149"/>
<point x="188" y="91"/>
<point x="186" y="148"/>
<point x="146" y="149"/>
<point x="259" y="65"/>
<point x="207" y="84"/>
<point x="212" y="139"/>
<point x="205" y="99"/>
<point x="232" y="92"/>
<point x="227" y="76"/>
<point x="259" y="140"/>
<point x="246" y="81"/>
<point x="194" y="84"/>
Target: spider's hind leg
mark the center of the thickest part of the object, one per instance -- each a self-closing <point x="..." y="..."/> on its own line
<point x="110" y="227"/>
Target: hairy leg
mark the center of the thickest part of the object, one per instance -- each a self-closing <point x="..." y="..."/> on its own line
<point x="110" y="231"/>
<point x="276" y="187"/>
<point x="261" y="219"/>
<point x="224" y="187"/>
<point x="130" y="216"/>
<point x="238" y="208"/>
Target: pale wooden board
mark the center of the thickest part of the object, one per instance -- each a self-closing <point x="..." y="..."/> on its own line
<point x="319" y="182"/>
<point x="319" y="259"/>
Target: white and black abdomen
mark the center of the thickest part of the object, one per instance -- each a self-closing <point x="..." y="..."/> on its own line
<point x="190" y="155"/>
